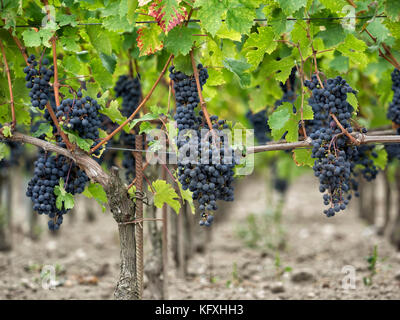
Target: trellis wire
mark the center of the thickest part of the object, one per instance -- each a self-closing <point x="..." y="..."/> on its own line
<point x="172" y="153"/>
<point x="223" y="20"/>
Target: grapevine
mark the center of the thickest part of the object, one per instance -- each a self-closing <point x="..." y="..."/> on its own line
<point x="313" y="82"/>
<point x="208" y="177"/>
<point x="333" y="164"/>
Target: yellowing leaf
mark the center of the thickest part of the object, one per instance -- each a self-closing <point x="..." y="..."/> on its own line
<point x="165" y="193"/>
<point x="149" y="39"/>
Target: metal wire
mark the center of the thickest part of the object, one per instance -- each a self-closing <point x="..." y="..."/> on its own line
<point x="223" y="20"/>
<point x="134" y="150"/>
<point x="166" y="152"/>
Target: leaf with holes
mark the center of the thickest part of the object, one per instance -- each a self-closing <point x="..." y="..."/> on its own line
<point x="258" y="44"/>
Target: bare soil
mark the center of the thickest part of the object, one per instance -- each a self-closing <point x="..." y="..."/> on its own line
<point x="306" y="264"/>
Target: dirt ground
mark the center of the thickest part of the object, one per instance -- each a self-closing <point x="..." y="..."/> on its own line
<point x="307" y="263"/>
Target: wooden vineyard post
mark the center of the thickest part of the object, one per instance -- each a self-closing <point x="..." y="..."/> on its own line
<point x="395" y="232"/>
<point x="5" y="213"/>
<point x="388" y="203"/>
<point x="165" y="241"/>
<point x="139" y="216"/>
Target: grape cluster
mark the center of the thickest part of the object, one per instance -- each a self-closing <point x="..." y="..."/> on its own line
<point x="208" y="172"/>
<point x="16" y="151"/>
<point x="80" y="115"/>
<point x="259" y="122"/>
<point x="334" y="157"/>
<point x="364" y="160"/>
<point x="393" y="150"/>
<point x="205" y="159"/>
<point x="38" y="81"/>
<point x="187" y="98"/>
<point x="280" y="184"/>
<point x="128" y="161"/>
<point x="49" y="169"/>
<point x="130" y="90"/>
<point x="394" y="107"/>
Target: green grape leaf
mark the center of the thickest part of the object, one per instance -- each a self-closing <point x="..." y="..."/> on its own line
<point x="116" y="23"/>
<point x="69" y="43"/>
<point x="291" y="6"/>
<point x="96" y="191"/>
<point x="44" y="128"/>
<point x="4" y="151"/>
<point x="102" y="134"/>
<point x="64" y="200"/>
<point x="392" y="9"/>
<point x="263" y="42"/>
<point x="146" y="117"/>
<point x="340" y="63"/>
<point x="6" y="131"/>
<point x="284" y="65"/>
<point x="394" y="28"/>
<point x="109" y="62"/>
<point x="225" y="33"/>
<point x="183" y="64"/>
<point x="354" y="49"/>
<point x="22" y="114"/>
<point x="130" y="14"/>
<point x="332" y="35"/>
<point x="132" y="193"/>
<point x="71" y="64"/>
<point x="334" y="6"/>
<point x="180" y="41"/>
<point x="114" y="114"/>
<point x="299" y="36"/>
<point x="92" y="89"/>
<point x="31" y="38"/>
<point x="145" y="127"/>
<point x="378" y="30"/>
<point x="100" y="74"/>
<point x="278" y="121"/>
<point x="238" y="68"/>
<point x="302" y="157"/>
<point x="165" y="193"/>
<point x="65" y="19"/>
<point x="284" y="120"/>
<point x="187" y="196"/>
<point x="84" y="144"/>
<point x="210" y="12"/>
<point x="99" y="39"/>
<point x="113" y="8"/>
<point x="216" y="77"/>
<point x="155" y="109"/>
<point x="352" y="99"/>
<point x="382" y="159"/>
<point x="279" y="22"/>
<point x="46" y="35"/>
<point x="240" y="17"/>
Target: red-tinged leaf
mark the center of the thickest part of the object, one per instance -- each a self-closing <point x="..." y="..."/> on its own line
<point x="167" y="13"/>
<point x="148" y="39"/>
